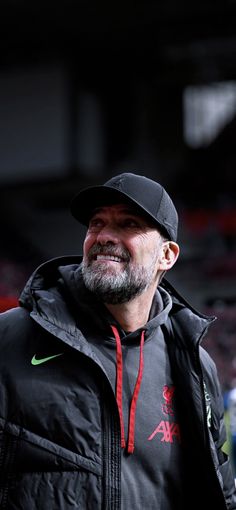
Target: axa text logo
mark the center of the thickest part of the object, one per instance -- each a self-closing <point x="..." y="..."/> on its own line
<point x="170" y="431"/>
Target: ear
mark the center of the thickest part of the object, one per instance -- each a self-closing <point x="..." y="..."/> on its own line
<point x="169" y="255"/>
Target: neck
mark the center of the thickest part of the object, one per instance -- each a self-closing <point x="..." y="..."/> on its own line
<point x="135" y="313"/>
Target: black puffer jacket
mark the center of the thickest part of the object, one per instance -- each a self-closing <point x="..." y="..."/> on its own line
<point x="59" y="422"/>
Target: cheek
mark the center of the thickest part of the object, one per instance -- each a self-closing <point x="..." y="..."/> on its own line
<point x="145" y="247"/>
<point x="139" y="253"/>
<point x="88" y="243"/>
<point x="151" y="254"/>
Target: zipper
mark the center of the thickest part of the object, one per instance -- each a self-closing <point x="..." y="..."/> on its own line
<point x="111" y="453"/>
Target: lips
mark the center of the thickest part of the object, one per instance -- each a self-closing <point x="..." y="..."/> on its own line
<point x="112" y="258"/>
<point x="108" y="253"/>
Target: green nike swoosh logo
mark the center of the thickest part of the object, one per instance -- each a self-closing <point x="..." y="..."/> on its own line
<point x="35" y="361"/>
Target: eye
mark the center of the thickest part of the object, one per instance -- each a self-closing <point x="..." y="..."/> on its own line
<point x="95" y="224"/>
<point x="131" y="223"/>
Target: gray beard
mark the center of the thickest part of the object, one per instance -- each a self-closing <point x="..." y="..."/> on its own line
<point x="113" y="288"/>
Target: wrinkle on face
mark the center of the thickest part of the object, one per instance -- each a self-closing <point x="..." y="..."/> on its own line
<point x="117" y="231"/>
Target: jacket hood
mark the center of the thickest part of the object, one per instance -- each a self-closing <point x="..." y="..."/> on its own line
<point x="51" y="292"/>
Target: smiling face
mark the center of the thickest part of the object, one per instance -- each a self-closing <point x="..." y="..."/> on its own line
<point x="122" y="253"/>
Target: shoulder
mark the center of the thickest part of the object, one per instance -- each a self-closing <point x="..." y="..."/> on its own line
<point x="16" y="321"/>
<point x="17" y="313"/>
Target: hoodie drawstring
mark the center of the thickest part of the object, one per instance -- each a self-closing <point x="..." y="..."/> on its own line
<point x="119" y="391"/>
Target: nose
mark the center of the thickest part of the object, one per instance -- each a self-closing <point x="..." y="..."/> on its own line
<point x="108" y="234"/>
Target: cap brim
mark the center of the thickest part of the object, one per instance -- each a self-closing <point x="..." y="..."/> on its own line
<point x="89" y="199"/>
<point x="84" y="204"/>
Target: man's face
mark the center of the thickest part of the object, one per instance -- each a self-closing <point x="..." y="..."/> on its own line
<point x="121" y="252"/>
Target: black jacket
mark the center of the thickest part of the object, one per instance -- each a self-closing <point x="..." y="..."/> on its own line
<point x="59" y="421"/>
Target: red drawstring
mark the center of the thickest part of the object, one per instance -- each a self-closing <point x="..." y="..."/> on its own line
<point x="135" y="398"/>
<point x="119" y="383"/>
<point x="119" y="391"/>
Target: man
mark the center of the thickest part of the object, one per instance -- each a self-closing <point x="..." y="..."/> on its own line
<point x="107" y="399"/>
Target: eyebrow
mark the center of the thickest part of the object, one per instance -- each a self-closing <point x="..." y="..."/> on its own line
<point x="131" y="211"/>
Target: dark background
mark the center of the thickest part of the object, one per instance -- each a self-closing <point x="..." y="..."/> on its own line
<point x="89" y="89"/>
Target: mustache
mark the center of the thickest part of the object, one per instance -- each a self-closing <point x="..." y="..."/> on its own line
<point x="108" y="249"/>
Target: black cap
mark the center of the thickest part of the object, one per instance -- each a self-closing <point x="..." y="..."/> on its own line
<point x="145" y="194"/>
